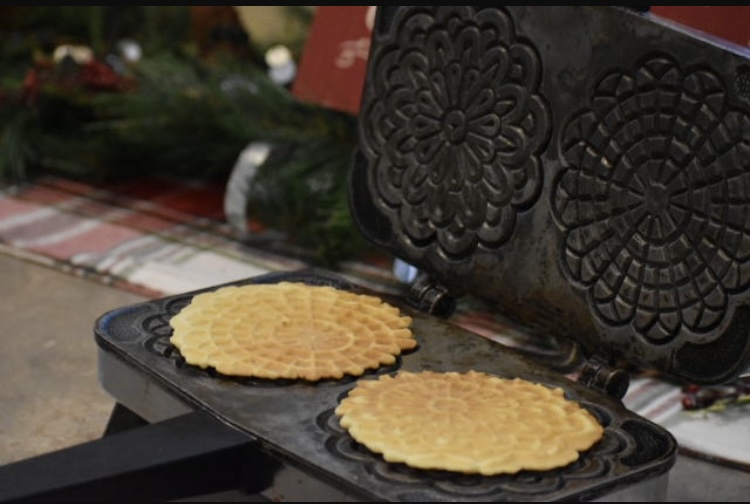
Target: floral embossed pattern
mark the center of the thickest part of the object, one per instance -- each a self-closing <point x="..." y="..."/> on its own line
<point x="655" y="200"/>
<point x="453" y="123"/>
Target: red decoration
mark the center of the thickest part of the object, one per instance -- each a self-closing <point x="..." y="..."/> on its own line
<point x="332" y="68"/>
<point x="730" y="22"/>
<point x="99" y="76"/>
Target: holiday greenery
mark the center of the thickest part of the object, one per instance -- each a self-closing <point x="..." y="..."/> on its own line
<point x="186" y="107"/>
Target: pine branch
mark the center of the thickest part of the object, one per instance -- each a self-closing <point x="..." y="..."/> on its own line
<point x="192" y="117"/>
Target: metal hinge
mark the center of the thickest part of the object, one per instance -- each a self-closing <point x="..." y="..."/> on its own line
<point x="427" y="295"/>
<point x="599" y="375"/>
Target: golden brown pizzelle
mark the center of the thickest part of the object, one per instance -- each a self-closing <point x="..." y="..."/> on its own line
<point x="290" y="330"/>
<point x="469" y="422"/>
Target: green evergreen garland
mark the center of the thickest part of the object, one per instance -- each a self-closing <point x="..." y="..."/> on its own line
<point x="183" y="115"/>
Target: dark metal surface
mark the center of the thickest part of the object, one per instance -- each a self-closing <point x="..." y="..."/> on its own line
<point x="294" y="421"/>
<point x="587" y="168"/>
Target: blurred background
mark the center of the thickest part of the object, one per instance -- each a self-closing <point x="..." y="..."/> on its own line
<point x="161" y="149"/>
<point x="105" y="94"/>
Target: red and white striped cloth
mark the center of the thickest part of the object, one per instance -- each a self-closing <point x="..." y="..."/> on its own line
<point x="162" y="236"/>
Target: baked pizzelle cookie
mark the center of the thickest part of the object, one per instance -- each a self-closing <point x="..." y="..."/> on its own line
<point x="469" y="422"/>
<point x="290" y="330"/>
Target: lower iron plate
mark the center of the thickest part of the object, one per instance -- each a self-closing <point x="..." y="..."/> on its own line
<point x="295" y="422"/>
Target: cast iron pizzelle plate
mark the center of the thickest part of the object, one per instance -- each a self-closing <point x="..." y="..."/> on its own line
<point x="583" y="167"/>
<point x="294" y="420"/>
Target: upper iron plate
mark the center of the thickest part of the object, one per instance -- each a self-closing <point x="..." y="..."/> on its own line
<point x="582" y="168"/>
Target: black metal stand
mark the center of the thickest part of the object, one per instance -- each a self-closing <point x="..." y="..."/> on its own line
<point x="186" y="456"/>
<point x="122" y="419"/>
